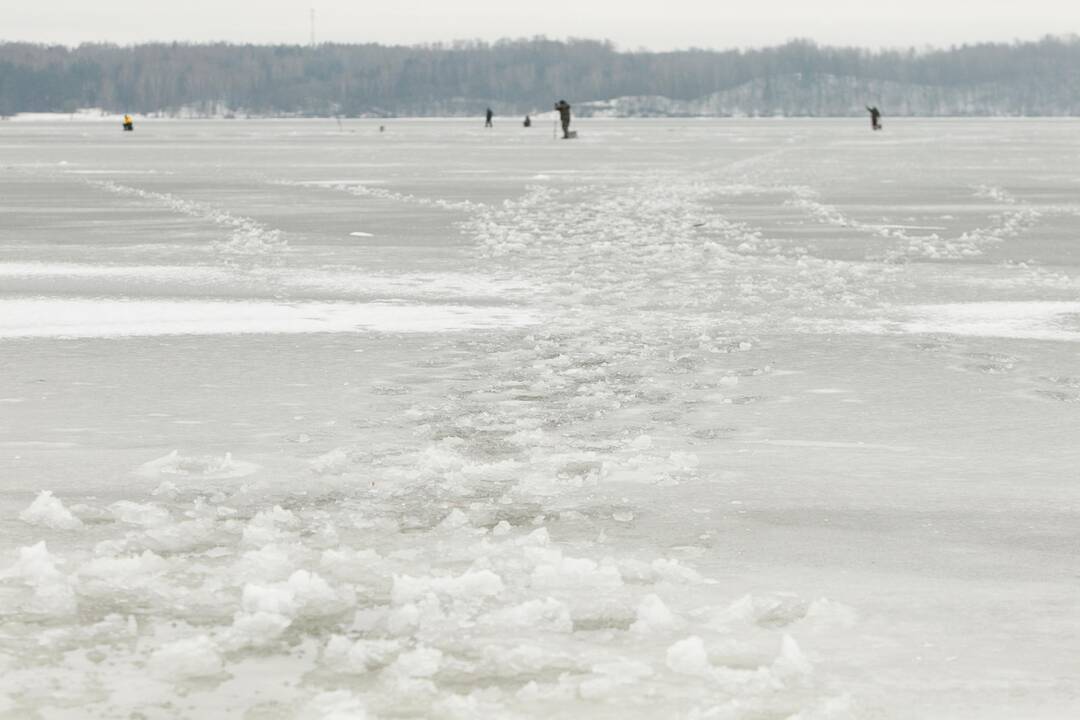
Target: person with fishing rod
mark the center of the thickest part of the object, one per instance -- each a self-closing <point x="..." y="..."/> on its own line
<point x="875" y="117"/>
<point x="564" y="117"/>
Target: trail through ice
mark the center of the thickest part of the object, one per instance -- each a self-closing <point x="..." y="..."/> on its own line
<point x="424" y="581"/>
<point x="246" y="236"/>
<point x="489" y="561"/>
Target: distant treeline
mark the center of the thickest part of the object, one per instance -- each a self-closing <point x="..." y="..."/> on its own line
<point x="519" y="76"/>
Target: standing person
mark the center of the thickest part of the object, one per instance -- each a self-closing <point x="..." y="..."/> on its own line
<point x="564" y="116"/>
<point x="487" y="122"/>
<point x="129" y="124"/>
<point x="875" y="117"/>
<point x="528" y="121"/>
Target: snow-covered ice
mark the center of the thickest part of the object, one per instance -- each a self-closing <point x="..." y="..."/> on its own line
<point x="95" y="317"/>
<point x="688" y="419"/>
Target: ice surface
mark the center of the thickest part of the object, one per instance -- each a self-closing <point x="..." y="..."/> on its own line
<point x="689" y="419"/>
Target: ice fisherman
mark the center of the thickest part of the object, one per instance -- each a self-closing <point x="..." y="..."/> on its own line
<point x="564" y="116"/>
<point x="129" y="123"/>
<point x="528" y="121"/>
<point x="875" y="117"/>
<point x="487" y="121"/>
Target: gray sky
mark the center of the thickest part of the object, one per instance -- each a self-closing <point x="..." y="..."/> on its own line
<point x="656" y="25"/>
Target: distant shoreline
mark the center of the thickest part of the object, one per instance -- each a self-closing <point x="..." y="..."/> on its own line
<point x="796" y="79"/>
<point x="115" y="118"/>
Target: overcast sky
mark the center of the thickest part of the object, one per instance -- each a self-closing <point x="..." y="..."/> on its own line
<point x="631" y="24"/>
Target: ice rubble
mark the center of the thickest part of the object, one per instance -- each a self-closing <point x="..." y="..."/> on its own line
<point x="335" y="705"/>
<point x="462" y="597"/>
<point x="469" y="572"/>
<point x="51" y="589"/>
<point x="207" y="467"/>
<point x="194" y="657"/>
<point x="48" y="511"/>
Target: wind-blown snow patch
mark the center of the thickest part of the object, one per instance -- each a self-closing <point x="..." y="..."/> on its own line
<point x="1035" y="320"/>
<point x="96" y="317"/>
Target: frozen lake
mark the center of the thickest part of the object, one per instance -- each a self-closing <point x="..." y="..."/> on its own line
<point x="684" y="419"/>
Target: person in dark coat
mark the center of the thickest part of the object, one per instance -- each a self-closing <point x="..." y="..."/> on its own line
<point x="487" y="122"/>
<point x="564" y="116"/>
<point x="528" y="121"/>
<point x="875" y="117"/>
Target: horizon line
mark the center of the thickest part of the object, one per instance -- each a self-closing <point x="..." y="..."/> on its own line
<point x="480" y="43"/>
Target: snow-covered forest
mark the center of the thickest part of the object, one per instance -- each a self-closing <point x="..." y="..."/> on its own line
<point x="799" y="78"/>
